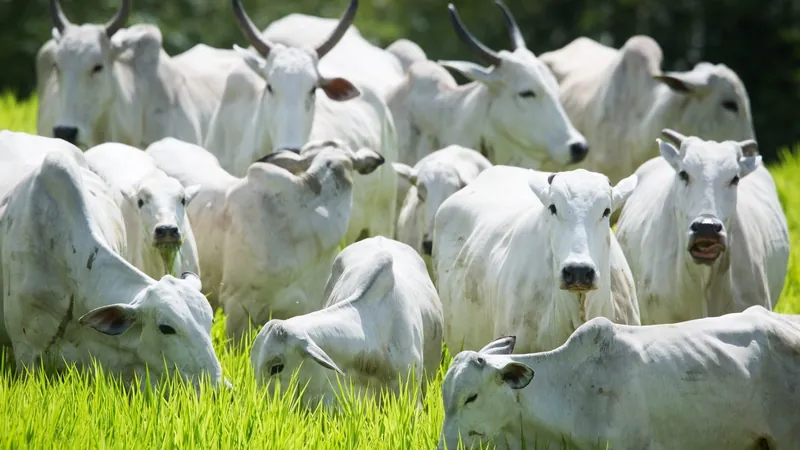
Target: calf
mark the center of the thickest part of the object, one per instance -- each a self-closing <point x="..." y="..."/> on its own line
<point x="526" y="253"/>
<point x="382" y="320"/>
<point x="266" y="241"/>
<point x="704" y="234"/>
<point x="730" y="382"/>
<point x="159" y="236"/>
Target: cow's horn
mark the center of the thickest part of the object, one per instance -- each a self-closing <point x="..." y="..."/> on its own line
<point x="250" y="31"/>
<point x="120" y="18"/>
<point x="467" y="37"/>
<point x="341" y="29"/>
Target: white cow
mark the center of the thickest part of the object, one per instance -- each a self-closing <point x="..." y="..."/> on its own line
<point x="68" y="297"/>
<point x="382" y="321"/>
<point x="729" y="382"/>
<point x="620" y="100"/>
<point x="270" y="104"/>
<point x="510" y="111"/>
<point x="159" y="236"/>
<point x="520" y="252"/>
<point x="101" y="83"/>
<point x="267" y="240"/>
<point x="353" y="58"/>
<point x="704" y="233"/>
<point x="433" y="180"/>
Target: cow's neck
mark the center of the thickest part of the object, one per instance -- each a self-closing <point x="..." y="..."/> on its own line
<point x="547" y="403"/>
<point x="457" y="115"/>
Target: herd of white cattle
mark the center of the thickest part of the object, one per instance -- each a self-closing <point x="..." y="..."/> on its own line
<point x="477" y="215"/>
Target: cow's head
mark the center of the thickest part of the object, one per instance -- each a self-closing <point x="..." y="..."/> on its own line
<point x="169" y="322"/>
<point x="281" y="351"/>
<point x="480" y="393"/>
<point x="161" y="201"/>
<point x="432" y="184"/>
<point x="292" y="77"/>
<point x="715" y="106"/>
<point x="707" y="175"/>
<point x="578" y="205"/>
<point x="524" y="111"/>
<point x="83" y="66"/>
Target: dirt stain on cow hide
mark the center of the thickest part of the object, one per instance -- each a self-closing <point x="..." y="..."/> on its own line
<point x="90" y="261"/>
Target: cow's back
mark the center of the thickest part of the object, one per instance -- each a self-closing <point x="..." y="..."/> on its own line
<point x="748" y="363"/>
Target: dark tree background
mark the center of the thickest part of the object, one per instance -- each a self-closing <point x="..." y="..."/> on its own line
<point x="760" y="40"/>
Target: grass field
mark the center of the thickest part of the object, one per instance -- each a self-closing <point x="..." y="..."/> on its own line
<point x="69" y="412"/>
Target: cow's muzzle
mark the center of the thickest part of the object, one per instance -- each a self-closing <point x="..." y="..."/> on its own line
<point x="578" y="278"/>
<point x="166" y="235"/>
<point x="707" y="240"/>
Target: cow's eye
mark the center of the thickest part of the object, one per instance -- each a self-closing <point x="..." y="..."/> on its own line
<point x="730" y="105"/>
<point x="183" y="201"/>
<point x="683" y="176"/>
<point x="166" y="329"/>
<point x="607" y="212"/>
<point x="471" y="399"/>
<point x="140" y="203"/>
<point x="527" y="94"/>
<point x="97" y="68"/>
<point x="269" y="88"/>
<point x="313" y="91"/>
<point x="276" y="369"/>
<point x="552" y="209"/>
<point x="735" y="180"/>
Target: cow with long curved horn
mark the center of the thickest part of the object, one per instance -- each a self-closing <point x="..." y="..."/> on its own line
<point x="85" y="90"/>
<point x="510" y="110"/>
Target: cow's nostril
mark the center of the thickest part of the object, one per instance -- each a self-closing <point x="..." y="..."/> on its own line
<point x="69" y="134"/>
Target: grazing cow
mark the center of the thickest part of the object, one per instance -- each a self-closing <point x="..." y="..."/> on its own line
<point x="101" y="83"/>
<point x="433" y="180"/>
<point x="382" y="321"/>
<point x="266" y="241"/>
<point x="510" y="111"/>
<point x="730" y="382"/>
<point x="520" y="252"/>
<point x="620" y="100"/>
<point x="68" y="297"/>
<point x="159" y="236"/>
<point x="704" y="233"/>
<point x="270" y="104"/>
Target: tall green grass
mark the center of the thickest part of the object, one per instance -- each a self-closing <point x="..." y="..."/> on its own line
<point x="69" y="411"/>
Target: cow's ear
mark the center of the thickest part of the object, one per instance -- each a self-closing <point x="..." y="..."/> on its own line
<point x="405" y="172"/>
<point x="190" y="192"/>
<point x="112" y="319"/>
<point x="317" y="354"/>
<point x="539" y="183"/>
<point x="747" y="164"/>
<point x="472" y="71"/>
<point x="670" y="154"/>
<point x="254" y="61"/>
<point x="501" y="346"/>
<point x="366" y="160"/>
<point x="516" y="375"/>
<point x="623" y="190"/>
<point x="339" y="89"/>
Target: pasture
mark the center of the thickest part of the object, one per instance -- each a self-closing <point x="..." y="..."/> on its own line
<point x="67" y="411"/>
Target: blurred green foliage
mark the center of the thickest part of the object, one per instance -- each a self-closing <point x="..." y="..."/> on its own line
<point x="760" y="40"/>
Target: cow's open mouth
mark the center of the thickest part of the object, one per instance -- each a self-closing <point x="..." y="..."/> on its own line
<point x="706" y="250"/>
